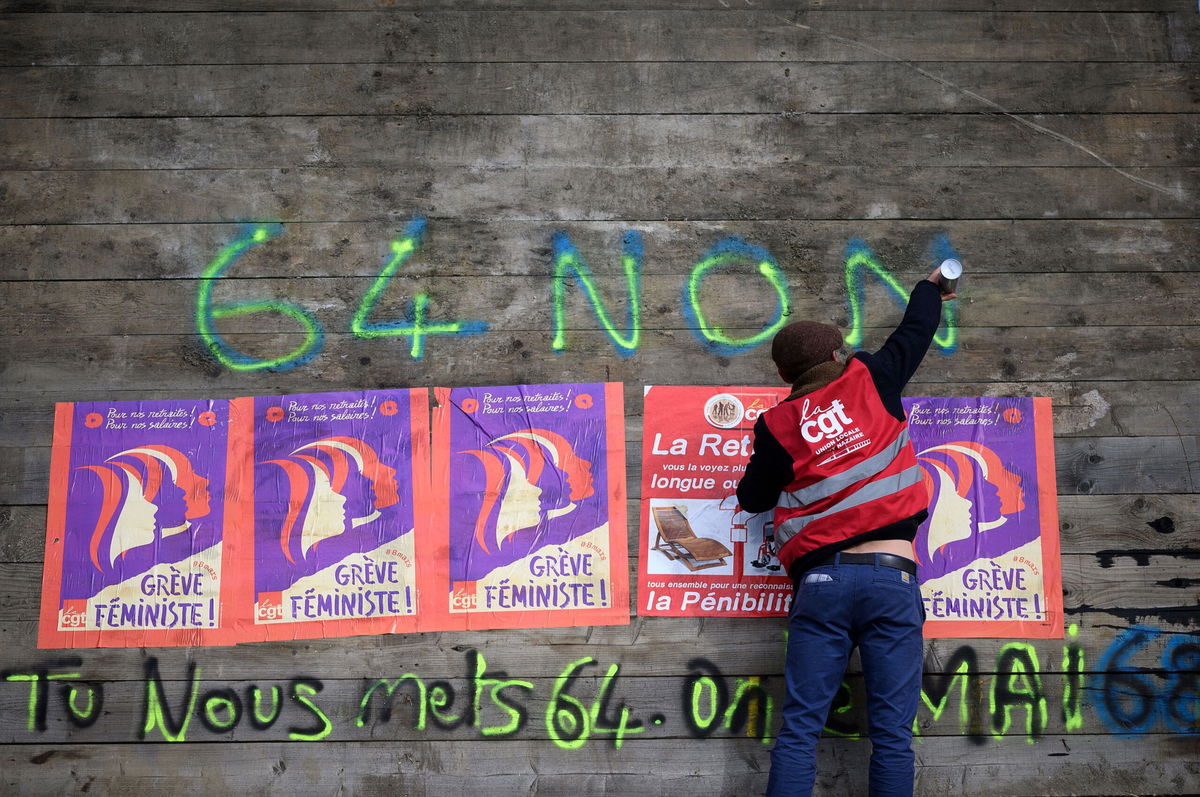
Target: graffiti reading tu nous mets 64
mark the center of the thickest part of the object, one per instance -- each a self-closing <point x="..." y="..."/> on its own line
<point x="1013" y="697"/>
<point x="568" y="265"/>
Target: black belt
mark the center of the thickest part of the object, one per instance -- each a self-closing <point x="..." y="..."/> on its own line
<point x="884" y="559"/>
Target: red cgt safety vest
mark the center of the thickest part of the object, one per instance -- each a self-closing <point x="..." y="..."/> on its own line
<point x="854" y="469"/>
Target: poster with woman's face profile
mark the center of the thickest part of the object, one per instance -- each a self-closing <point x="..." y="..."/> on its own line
<point x="532" y="513"/>
<point x="988" y="555"/>
<point x="136" y="525"/>
<point x="334" y="479"/>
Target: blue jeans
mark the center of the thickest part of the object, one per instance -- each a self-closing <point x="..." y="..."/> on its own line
<point x="836" y="607"/>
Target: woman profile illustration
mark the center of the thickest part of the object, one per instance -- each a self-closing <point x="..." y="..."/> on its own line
<point x="973" y="496"/>
<point x="319" y="490"/>
<point x="148" y="494"/>
<point x="515" y="470"/>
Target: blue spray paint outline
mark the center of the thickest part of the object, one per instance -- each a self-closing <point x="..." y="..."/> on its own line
<point x="1127" y="644"/>
<point x="726" y="251"/>
<point x="414" y="325"/>
<point x="1170" y="694"/>
<point x="567" y="256"/>
<point x="859" y="257"/>
<point x="314" y="339"/>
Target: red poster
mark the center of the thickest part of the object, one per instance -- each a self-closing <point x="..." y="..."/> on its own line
<point x="701" y="555"/>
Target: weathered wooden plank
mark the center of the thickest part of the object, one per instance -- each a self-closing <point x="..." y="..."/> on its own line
<point x="241" y="6"/>
<point x="596" y="194"/>
<point x="727" y="768"/>
<point x="22" y="530"/>
<point x="728" y="35"/>
<point x="520" y="303"/>
<point x="1120" y="526"/>
<point x="1148" y="408"/>
<point x="1134" y="581"/>
<point x="602" y="88"/>
<point x="1044" y="771"/>
<point x="1128" y="523"/>
<point x="425" y="769"/>
<point x="504" y="303"/>
<point x="136" y="373"/>
<point x="604" y="140"/>
<point x="464" y="247"/>
<point x="21" y="471"/>
<point x="180" y="363"/>
<point x="1088" y="465"/>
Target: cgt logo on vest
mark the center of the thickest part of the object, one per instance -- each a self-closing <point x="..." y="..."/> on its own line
<point x="824" y="424"/>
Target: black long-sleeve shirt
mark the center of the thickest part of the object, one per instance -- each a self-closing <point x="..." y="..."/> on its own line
<point x="770" y="468"/>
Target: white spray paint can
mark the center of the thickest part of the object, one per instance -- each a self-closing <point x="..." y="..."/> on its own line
<point x="951" y="270"/>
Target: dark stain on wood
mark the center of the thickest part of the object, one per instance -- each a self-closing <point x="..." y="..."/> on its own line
<point x="1163" y="525"/>
<point x="1179" y="583"/>
<point x="1142" y="555"/>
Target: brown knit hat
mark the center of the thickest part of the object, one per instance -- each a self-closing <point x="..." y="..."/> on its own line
<point x="803" y="344"/>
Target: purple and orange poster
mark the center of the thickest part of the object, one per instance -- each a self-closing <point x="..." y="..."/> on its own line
<point x="334" y="486"/>
<point x="701" y="553"/>
<point x="137" y="525"/>
<point x="531" y="483"/>
<point x="988" y="556"/>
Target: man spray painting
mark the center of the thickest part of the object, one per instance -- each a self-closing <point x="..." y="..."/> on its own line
<point x="835" y="462"/>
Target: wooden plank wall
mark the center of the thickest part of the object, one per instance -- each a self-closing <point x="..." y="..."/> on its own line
<point x="1052" y="142"/>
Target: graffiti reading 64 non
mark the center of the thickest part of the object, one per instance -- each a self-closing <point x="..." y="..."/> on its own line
<point x="569" y="266"/>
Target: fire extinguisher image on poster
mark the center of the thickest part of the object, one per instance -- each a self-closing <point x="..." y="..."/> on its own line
<point x="701" y="554"/>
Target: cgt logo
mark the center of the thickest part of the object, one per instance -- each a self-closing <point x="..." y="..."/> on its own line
<point x="737" y="410"/>
<point x="73" y="614"/>
<point x="463" y="597"/>
<point x="824" y="424"/>
<point x="269" y="607"/>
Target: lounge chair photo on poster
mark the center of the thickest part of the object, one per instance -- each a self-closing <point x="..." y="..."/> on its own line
<point x="679" y="543"/>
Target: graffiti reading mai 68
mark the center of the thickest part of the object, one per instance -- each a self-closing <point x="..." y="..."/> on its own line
<point x="568" y="264"/>
<point x="1144" y="681"/>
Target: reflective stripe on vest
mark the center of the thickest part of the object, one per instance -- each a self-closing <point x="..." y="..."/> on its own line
<point x="888" y="485"/>
<point x="840" y="481"/>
